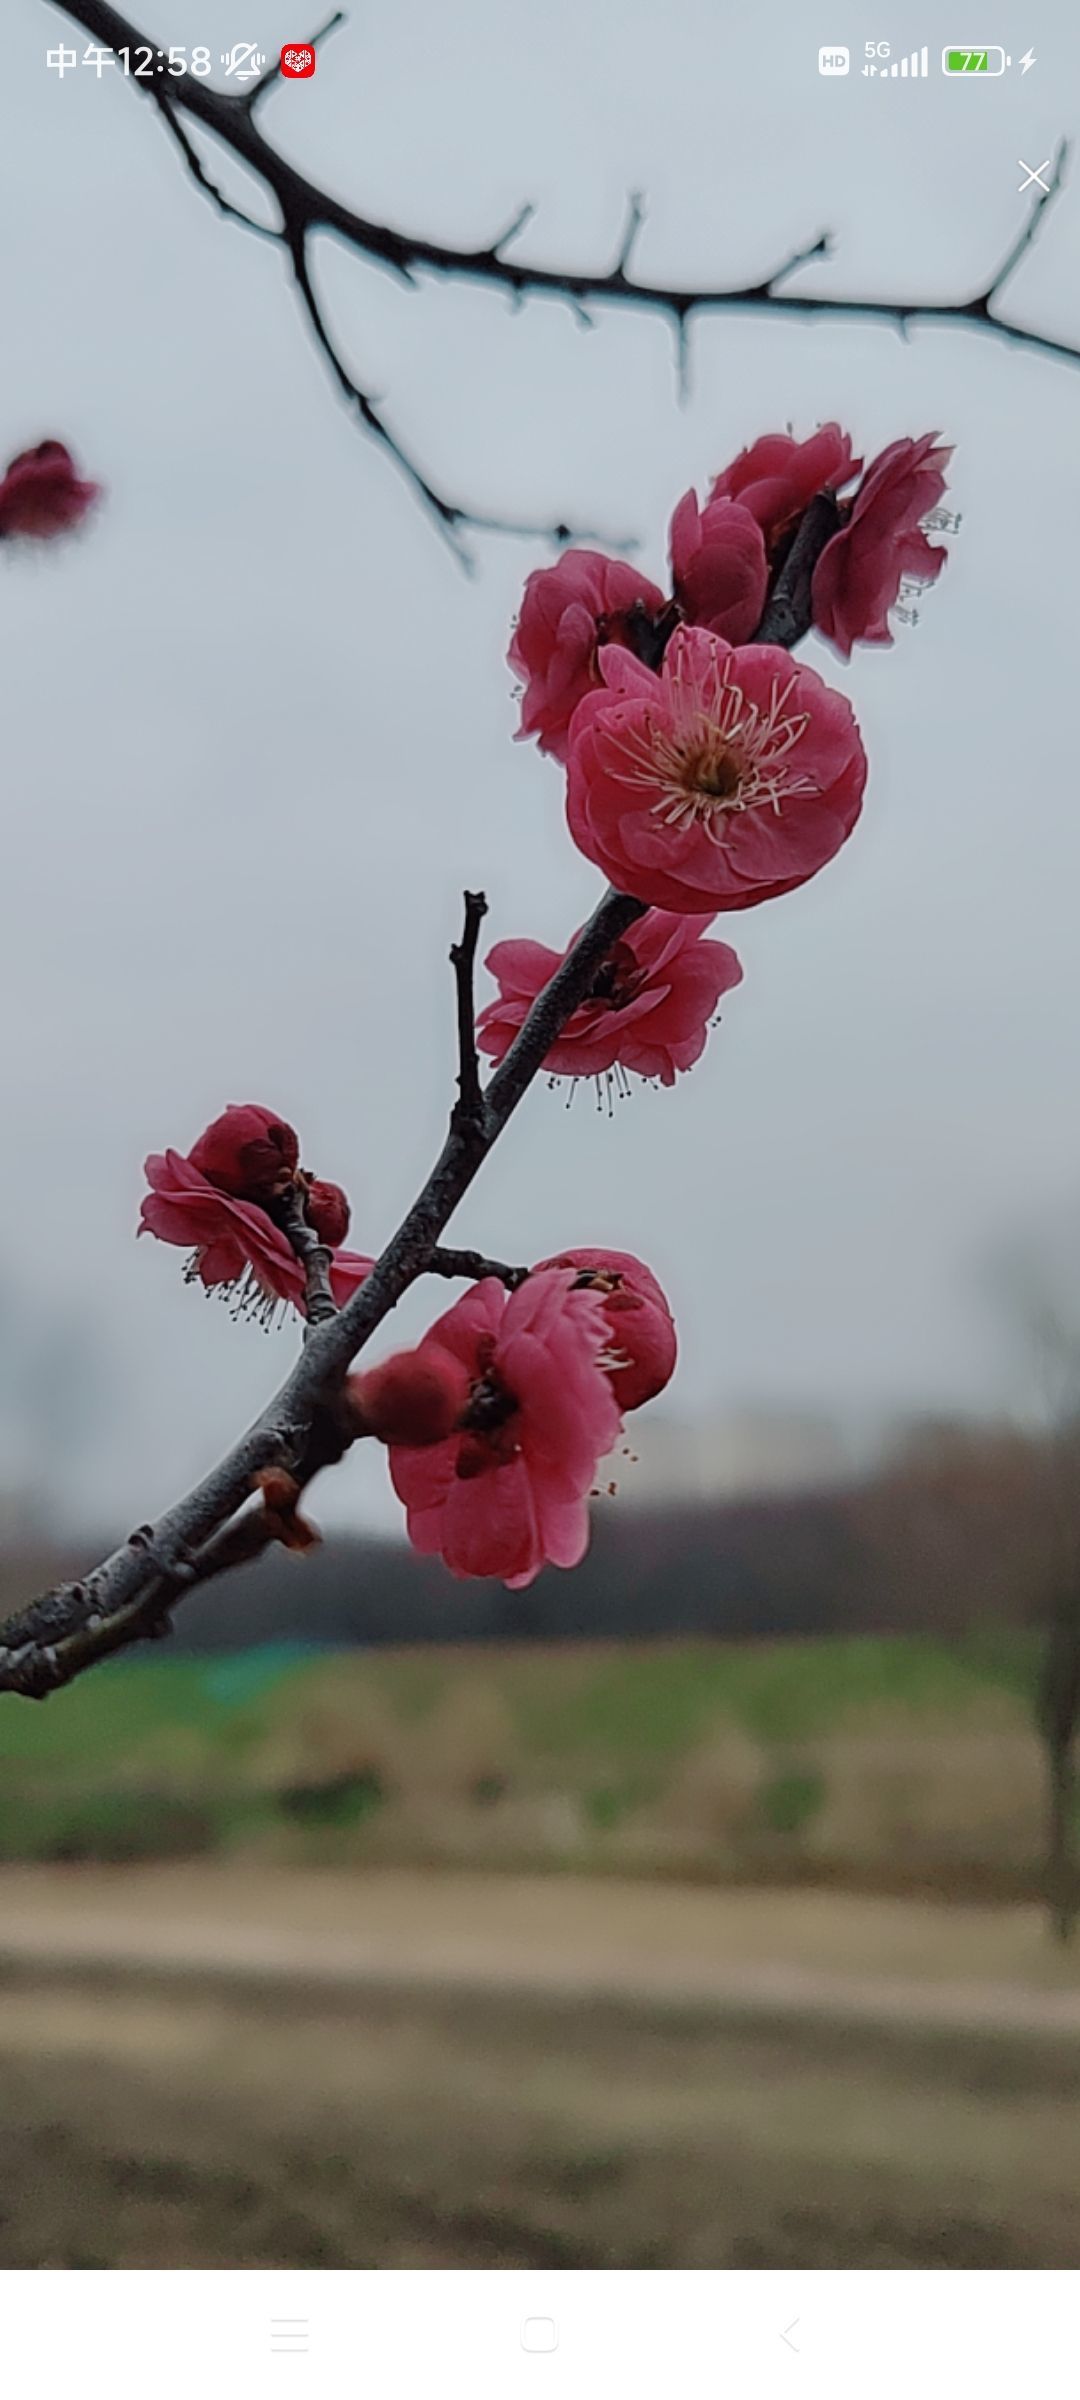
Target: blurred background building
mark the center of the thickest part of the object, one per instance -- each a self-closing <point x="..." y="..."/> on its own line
<point x="731" y="1453"/>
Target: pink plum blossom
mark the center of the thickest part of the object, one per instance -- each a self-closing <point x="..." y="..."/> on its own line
<point x="234" y="1244"/>
<point x="509" y="1493"/>
<point x="41" y="494"/>
<point x="881" y="544"/>
<point x="730" y="777"/>
<point x="642" y="1341"/>
<point x="719" y="567"/>
<point x="649" y="1009"/>
<point x="567" y="611"/>
<point x="777" y="477"/>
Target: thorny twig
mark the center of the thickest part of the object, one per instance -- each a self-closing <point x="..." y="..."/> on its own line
<point x="305" y="209"/>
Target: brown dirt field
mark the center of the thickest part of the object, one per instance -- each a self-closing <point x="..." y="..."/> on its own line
<point x="397" y="2115"/>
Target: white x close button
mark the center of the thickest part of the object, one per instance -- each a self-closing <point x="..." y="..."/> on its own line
<point x="1033" y="175"/>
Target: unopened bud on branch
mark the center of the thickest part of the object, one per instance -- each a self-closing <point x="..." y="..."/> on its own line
<point x="416" y="1397"/>
<point x="249" y="1153"/>
<point x="327" y="1211"/>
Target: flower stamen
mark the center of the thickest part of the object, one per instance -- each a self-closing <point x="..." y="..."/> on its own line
<point x="719" y="755"/>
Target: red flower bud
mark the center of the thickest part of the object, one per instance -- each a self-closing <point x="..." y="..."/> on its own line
<point x="327" y="1211"/>
<point x="248" y="1152"/>
<point x="415" y="1398"/>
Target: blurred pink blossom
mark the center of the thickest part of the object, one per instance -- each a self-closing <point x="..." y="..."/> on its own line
<point x="41" y="495"/>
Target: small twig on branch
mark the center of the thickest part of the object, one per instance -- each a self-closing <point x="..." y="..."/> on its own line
<point x="449" y="517"/>
<point x="470" y="1100"/>
<point x="472" y="1267"/>
<point x="196" y="169"/>
<point x="288" y="1212"/>
<point x="517" y="225"/>
<point x="305" y="209"/>
<point x="821" y="248"/>
<point x="635" y="217"/>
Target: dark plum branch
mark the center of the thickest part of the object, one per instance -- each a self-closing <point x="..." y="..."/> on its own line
<point x="470" y="1100"/>
<point x="789" y="612"/>
<point x="305" y="209"/>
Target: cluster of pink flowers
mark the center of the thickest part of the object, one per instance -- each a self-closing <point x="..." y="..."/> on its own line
<point x="496" y="1423"/>
<point x="724" y="560"/>
<point x="706" y="771"/>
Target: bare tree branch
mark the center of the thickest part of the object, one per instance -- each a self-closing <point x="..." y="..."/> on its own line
<point x="304" y="209"/>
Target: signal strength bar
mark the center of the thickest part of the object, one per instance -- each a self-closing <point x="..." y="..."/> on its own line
<point x="917" y="64"/>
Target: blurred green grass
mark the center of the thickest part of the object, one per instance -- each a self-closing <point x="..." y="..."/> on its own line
<point x="649" y="1703"/>
<point x="826" y="1757"/>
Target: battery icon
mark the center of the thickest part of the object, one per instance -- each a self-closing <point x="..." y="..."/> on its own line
<point x="991" y="61"/>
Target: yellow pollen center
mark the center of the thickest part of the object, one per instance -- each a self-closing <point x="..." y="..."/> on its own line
<point x="717" y="755"/>
<point x="716" y="775"/>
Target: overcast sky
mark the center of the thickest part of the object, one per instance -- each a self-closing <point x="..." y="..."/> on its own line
<point x="257" y="723"/>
